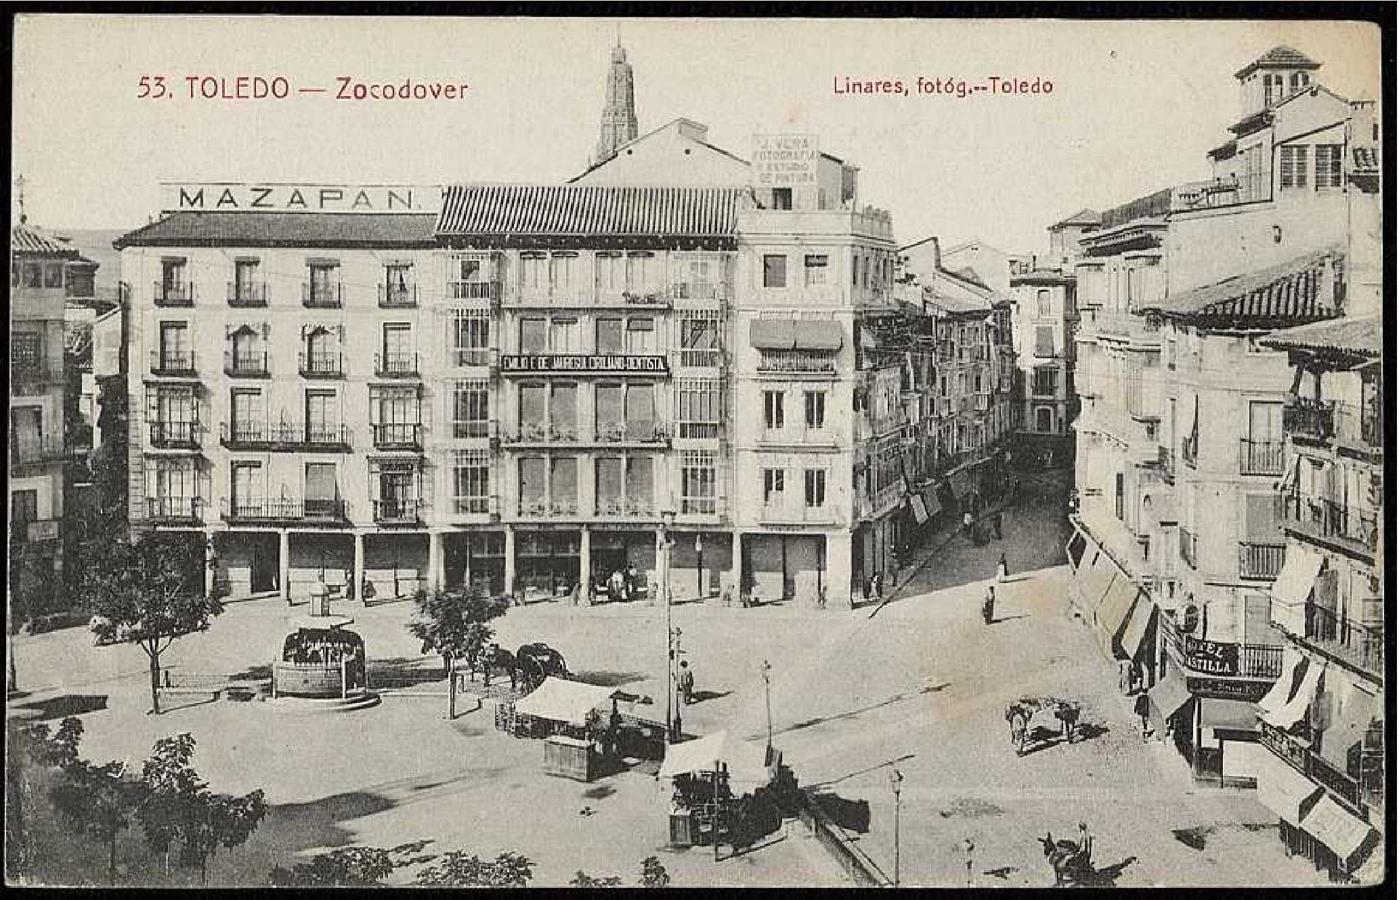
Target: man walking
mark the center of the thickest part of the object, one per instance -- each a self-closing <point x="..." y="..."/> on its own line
<point x="988" y="605"/>
<point x="686" y="682"/>
<point x="996" y="523"/>
<point x="967" y="524"/>
<point x="1142" y="707"/>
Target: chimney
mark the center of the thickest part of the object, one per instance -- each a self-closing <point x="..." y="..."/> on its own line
<point x="692" y="130"/>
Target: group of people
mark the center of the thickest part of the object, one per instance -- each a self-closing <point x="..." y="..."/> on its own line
<point x="306" y="649"/>
<point x="625" y="585"/>
<point x="975" y="531"/>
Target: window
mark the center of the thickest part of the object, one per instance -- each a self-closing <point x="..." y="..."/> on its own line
<point x="174" y="346"/>
<point x="773" y="486"/>
<point x="33" y="275"/>
<point x="564" y="334"/>
<point x="469" y="333"/>
<point x="563" y="410"/>
<point x="398" y="348"/>
<point x="1297" y="81"/>
<point x="609" y="336"/>
<point x="641" y="334"/>
<point x="534" y="335"/>
<point x="322" y="287"/>
<point x="1119" y="492"/>
<point x="1044" y="419"/>
<point x="246" y="486"/>
<point x="774" y="270"/>
<point x="640" y="404"/>
<point x="698" y="482"/>
<point x="322" y="421"/>
<point x="1293" y="166"/>
<point x="245" y="285"/>
<point x="1044" y="340"/>
<point x="246" y="411"/>
<point x="396" y="499"/>
<point x="639" y="484"/>
<point x="782" y="198"/>
<point x="563" y="270"/>
<point x="471" y="475"/>
<point x="699" y="342"/>
<point x="534" y="413"/>
<point x="470" y="409"/>
<point x="322" y="494"/>
<point x="816" y="265"/>
<point x="773" y="417"/>
<point x="398" y="288"/>
<point x="172" y="277"/>
<point x="611" y="273"/>
<point x="815" y="402"/>
<point x="27" y="430"/>
<point x="24" y="508"/>
<point x="534" y="273"/>
<point x="815" y="488"/>
<point x="534" y="488"/>
<point x="26" y="350"/>
<point x="608" y="488"/>
<point x="1042" y="305"/>
<point x="608" y="402"/>
<point x="174" y="486"/>
<point x="1046" y="381"/>
<point x="1328" y="165"/>
<point x="644" y="272"/>
<point x="699" y="408"/>
<point x="563" y="484"/>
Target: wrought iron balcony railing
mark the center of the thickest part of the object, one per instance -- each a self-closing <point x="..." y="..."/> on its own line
<point x="284" y="509"/>
<point x="1260" y="561"/>
<point x="178" y="293"/>
<point x="1262" y="457"/>
<point x="245" y="363"/>
<point x="396" y="365"/>
<point x="172" y="362"/>
<point x="1311" y="419"/>
<point x="797" y="362"/>
<point x="397" y="511"/>
<point x="174" y="510"/>
<point x="247" y="294"/>
<point x="29" y="377"/>
<point x="398" y="436"/>
<point x="175" y="435"/>
<point x="288" y="436"/>
<point x="34" y="449"/>
<point x="474" y="290"/>
<point x="400" y="297"/>
<point x="1361" y="645"/>
<point x="1326" y="519"/>
<point x="320" y="364"/>
<point x="320" y="296"/>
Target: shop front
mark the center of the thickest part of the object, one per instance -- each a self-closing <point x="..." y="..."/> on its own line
<point x="474" y="562"/>
<point x="629" y="554"/>
<point x="546" y="563"/>
<point x="785" y="566"/>
<point x="395" y="564"/>
<point x="701" y="564"/>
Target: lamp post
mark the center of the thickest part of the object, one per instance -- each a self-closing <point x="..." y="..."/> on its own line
<point x="699" y="565"/>
<point x="767" y="703"/>
<point x="895" y="781"/>
<point x="663" y="544"/>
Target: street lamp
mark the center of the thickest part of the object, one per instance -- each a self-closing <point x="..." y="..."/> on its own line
<point x="767" y="702"/>
<point x="663" y="544"/>
<point x="895" y="781"/>
<point x="699" y="565"/>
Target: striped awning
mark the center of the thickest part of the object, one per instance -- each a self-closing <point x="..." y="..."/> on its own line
<point x="771" y="334"/>
<point x="588" y="210"/>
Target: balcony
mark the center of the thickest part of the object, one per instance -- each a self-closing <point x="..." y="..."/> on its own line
<point x="399" y="511"/>
<point x="1349" y="528"/>
<point x="31" y="449"/>
<point x="402" y="297"/>
<point x="398" y="436"/>
<point x="173" y="294"/>
<point x="797" y="363"/>
<point x="320" y="296"/>
<point x="626" y="508"/>
<point x="632" y="433"/>
<point x="396" y="365"/>
<point x="1359" y="792"/>
<point x="1188" y="549"/>
<point x="33" y="377"/>
<point x="539" y="507"/>
<point x="247" y="295"/>
<point x="245" y="363"/>
<point x="1213" y="659"/>
<point x="1262" y="457"/>
<point x="701" y="506"/>
<point x="1166" y="462"/>
<point x="473" y="356"/>
<point x="1260" y="561"/>
<point x="172" y="363"/>
<point x="285" y="436"/>
<point x="1360" y="645"/>
<point x="698" y="358"/>
<point x="475" y="506"/>
<point x="474" y="290"/>
<point x="175" y="510"/>
<point x="541" y="433"/>
<point x="175" y="435"/>
<point x="1324" y="421"/>
<point x="795" y="514"/>
<point x="1189" y="451"/>
<point x="466" y="429"/>
<point x="1309" y="420"/>
<point x="285" y="509"/>
<point x="320" y="364"/>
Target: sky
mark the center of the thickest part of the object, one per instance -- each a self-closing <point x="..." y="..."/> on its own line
<point x="1133" y="108"/>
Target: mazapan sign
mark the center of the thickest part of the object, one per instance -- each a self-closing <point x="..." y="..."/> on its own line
<point x="275" y="197"/>
<point x="784" y="160"/>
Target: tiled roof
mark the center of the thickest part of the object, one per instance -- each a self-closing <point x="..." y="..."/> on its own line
<point x="31" y="241"/>
<point x="585" y="210"/>
<point x="955" y="305"/>
<point x="1362" y="336"/>
<point x="1082" y="217"/>
<point x="1286" y="294"/>
<point x="967" y="273"/>
<point x="283" y="229"/>
<point x="1280" y="57"/>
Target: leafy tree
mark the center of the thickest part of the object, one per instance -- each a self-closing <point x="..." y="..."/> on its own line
<point x="584" y="880"/>
<point x="458" y="869"/>
<point x="98" y="801"/>
<point x="149" y="594"/>
<point x="349" y="867"/>
<point x="181" y="808"/>
<point x="455" y="626"/>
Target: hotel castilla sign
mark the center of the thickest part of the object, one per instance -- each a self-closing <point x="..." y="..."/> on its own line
<point x="600" y="364"/>
<point x="282" y="197"/>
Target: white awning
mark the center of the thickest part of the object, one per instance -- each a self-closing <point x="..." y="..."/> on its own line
<point x="1336" y="828"/>
<point x="920" y="512"/>
<point x="1299" y="570"/>
<point x="1137" y="626"/>
<point x="1291" y="712"/>
<point x="746" y="762"/>
<point x="1283" y="688"/>
<point x="1282" y="788"/>
<point x="1352" y="711"/>
<point x="564" y="701"/>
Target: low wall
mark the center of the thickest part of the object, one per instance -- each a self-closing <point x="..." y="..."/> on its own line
<point x="856" y="863"/>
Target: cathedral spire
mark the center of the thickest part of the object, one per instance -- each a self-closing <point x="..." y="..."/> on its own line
<point x="619" y="111"/>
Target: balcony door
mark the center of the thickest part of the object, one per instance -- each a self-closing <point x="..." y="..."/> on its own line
<point x="395" y="491"/>
<point x="172" y="278"/>
<point x="247" y="487"/>
<point x="321" y="420"/>
<point x="244" y="342"/>
<point x="248" y="415"/>
<point x="174" y="487"/>
<point x="641" y="412"/>
<point x="1265" y="423"/>
<point x="245" y="279"/>
<point x="27" y="427"/>
<point x="322" y="495"/>
<point x="174" y="345"/>
<point x="175" y="414"/>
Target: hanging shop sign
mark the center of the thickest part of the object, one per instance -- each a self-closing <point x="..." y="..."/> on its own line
<point x="1251" y="691"/>
<point x="616" y="364"/>
<point x="1209" y="657"/>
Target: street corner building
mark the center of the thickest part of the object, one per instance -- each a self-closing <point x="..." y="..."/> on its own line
<point x="1229" y="454"/>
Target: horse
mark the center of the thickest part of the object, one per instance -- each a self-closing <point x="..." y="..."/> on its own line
<point x="1067" y="714"/>
<point x="1072" y="862"/>
<point x="1018" y="715"/>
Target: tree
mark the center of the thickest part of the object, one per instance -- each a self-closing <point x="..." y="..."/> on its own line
<point x="149" y="594"/>
<point x="584" y="880"/>
<point x="181" y="809"/>
<point x="99" y="802"/>
<point x="458" y="869"/>
<point x="349" y="867"/>
<point x="653" y="874"/>
<point x="455" y="626"/>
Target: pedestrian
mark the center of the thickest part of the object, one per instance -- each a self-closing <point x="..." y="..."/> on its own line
<point x="633" y="581"/>
<point x="615" y="589"/>
<point x="1002" y="569"/>
<point x="988" y="605"/>
<point x="967" y="523"/>
<point x="1142" y="707"/>
<point x="996" y="523"/>
<point x="969" y="847"/>
<point x="686" y="682"/>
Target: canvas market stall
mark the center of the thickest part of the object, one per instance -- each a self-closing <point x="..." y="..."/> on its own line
<point x="572" y="711"/>
<point x="709" y="774"/>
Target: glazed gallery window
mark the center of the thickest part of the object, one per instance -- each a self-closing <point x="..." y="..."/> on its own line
<point x="1293" y="166"/>
<point x="26" y="350"/>
<point x="816" y="267"/>
<point x="469" y="337"/>
<point x="773" y="486"/>
<point x="815" y="403"/>
<point x="774" y="270"/>
<point x="471" y="474"/>
<point x="815" y="488"/>
<point x="699" y="341"/>
<point x="698" y="408"/>
<point x="1328" y="166"/>
<point x="773" y="417"/>
<point x="470" y="409"/>
<point x="698" y="482"/>
<point x="1046" y="381"/>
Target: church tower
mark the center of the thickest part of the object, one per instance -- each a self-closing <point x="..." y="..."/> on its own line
<point x="619" y="112"/>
